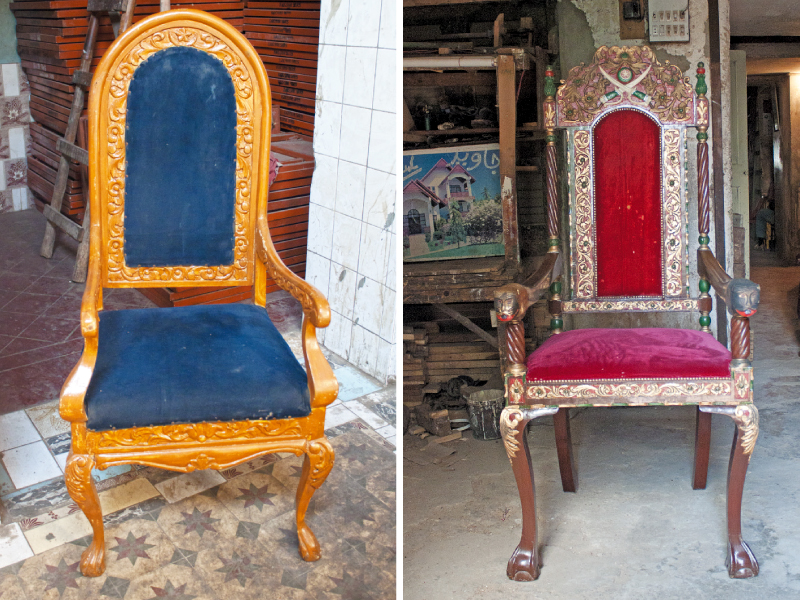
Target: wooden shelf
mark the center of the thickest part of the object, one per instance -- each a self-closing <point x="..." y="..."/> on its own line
<point x="527" y="169"/>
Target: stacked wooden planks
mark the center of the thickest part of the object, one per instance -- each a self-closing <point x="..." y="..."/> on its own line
<point x="415" y="375"/>
<point x="454" y="354"/>
<point x="286" y="35"/>
<point x="287" y="213"/>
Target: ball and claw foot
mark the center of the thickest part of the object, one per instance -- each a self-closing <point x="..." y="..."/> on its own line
<point x="741" y="562"/>
<point x="93" y="561"/>
<point x="524" y="565"/>
<point x="308" y="544"/>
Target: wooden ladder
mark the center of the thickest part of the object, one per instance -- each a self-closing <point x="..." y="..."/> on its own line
<point x="121" y="14"/>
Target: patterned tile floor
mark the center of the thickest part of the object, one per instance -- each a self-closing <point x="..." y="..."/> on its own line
<point x="204" y="535"/>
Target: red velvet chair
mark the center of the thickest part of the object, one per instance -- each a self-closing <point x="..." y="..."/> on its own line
<point x="626" y="119"/>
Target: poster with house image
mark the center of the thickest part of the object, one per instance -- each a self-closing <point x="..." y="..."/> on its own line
<point x="451" y="203"/>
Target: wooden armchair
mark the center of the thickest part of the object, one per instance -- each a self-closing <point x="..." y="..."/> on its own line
<point x="626" y="118"/>
<point x="179" y="155"/>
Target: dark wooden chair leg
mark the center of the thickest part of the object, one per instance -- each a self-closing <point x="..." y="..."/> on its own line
<point x="702" y="448"/>
<point x="741" y="562"/>
<point x="566" y="463"/>
<point x="525" y="562"/>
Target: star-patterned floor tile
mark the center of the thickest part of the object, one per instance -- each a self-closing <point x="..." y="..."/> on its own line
<point x="248" y="530"/>
<point x="136" y="547"/>
<point x="183" y="557"/>
<point x="115" y="587"/>
<point x="198" y="522"/>
<point x="132" y="547"/>
<point x="238" y="567"/>
<point x="295" y="578"/>
<point x="256" y="497"/>
<point x="173" y="582"/>
<point x="170" y="591"/>
<point x="239" y="539"/>
<point x="61" y="576"/>
<point x="55" y="575"/>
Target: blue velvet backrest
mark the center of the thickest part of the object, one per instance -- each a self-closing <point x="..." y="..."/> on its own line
<point x="179" y="132"/>
<point x="180" y="145"/>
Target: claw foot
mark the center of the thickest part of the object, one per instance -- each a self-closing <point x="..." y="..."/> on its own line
<point x="309" y="546"/>
<point x="93" y="561"/>
<point x="523" y="564"/>
<point x="741" y="562"/>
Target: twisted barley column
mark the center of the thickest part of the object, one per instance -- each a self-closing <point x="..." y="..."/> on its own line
<point x="704" y="210"/>
<point x="740" y="337"/>
<point x="552" y="193"/>
<point x="515" y="342"/>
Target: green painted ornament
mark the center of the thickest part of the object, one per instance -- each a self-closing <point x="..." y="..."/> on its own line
<point x="705" y="321"/>
<point x="704" y="286"/>
<point x="549" y="82"/>
<point x="556" y="324"/>
<point x="555" y="287"/>
<point x="701" y="87"/>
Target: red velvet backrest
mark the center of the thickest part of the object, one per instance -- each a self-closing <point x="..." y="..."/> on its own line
<point x="627" y="205"/>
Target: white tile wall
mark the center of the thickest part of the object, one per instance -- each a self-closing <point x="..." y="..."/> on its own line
<point x="354" y="146"/>
<point x="385" y="81"/>
<point x="330" y="81"/>
<point x="359" y="76"/>
<point x="353" y="188"/>
<point x="350" y="186"/>
<point x="11" y="80"/>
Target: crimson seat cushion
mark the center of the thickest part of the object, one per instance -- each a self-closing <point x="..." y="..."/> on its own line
<point x="157" y="366"/>
<point x="647" y="353"/>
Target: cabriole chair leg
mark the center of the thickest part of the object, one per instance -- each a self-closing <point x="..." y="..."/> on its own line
<point x="80" y="485"/>
<point x="316" y="466"/>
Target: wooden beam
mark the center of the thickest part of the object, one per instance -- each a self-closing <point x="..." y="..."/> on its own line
<point x="717" y="130"/>
<point x="487" y="337"/>
<point x="507" y="116"/>
<point x="415" y="3"/>
<point x="71" y="228"/>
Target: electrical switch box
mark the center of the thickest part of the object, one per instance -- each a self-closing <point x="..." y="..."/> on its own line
<point x="669" y="20"/>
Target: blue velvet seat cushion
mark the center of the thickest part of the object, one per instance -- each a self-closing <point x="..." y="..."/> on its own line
<point x="158" y="366"/>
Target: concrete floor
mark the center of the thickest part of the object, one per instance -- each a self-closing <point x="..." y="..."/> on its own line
<point x="635" y="529"/>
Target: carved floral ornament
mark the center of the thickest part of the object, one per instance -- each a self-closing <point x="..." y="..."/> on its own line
<point x="629" y="74"/>
<point x="121" y="76"/>
<point x="509" y="419"/>
<point x="647" y="305"/>
<point x="637" y="389"/>
<point x="746" y="418"/>
<point x="196" y="432"/>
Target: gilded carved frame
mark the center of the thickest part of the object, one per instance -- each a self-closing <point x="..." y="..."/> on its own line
<point x="662" y="93"/>
<point x="112" y="119"/>
<point x="190" y="446"/>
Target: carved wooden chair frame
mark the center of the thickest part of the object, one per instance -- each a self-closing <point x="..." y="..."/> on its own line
<point x="589" y="93"/>
<point x="189" y="446"/>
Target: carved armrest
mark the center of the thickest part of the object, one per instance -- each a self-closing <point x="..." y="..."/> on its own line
<point x="322" y="384"/>
<point x="741" y="296"/>
<point x="74" y="390"/>
<point x="513" y="300"/>
<point x="315" y="306"/>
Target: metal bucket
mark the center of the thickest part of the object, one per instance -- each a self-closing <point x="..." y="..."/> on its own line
<point x="484" y="408"/>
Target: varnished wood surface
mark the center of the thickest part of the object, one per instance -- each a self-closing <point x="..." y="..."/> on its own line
<point x="186" y="447"/>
